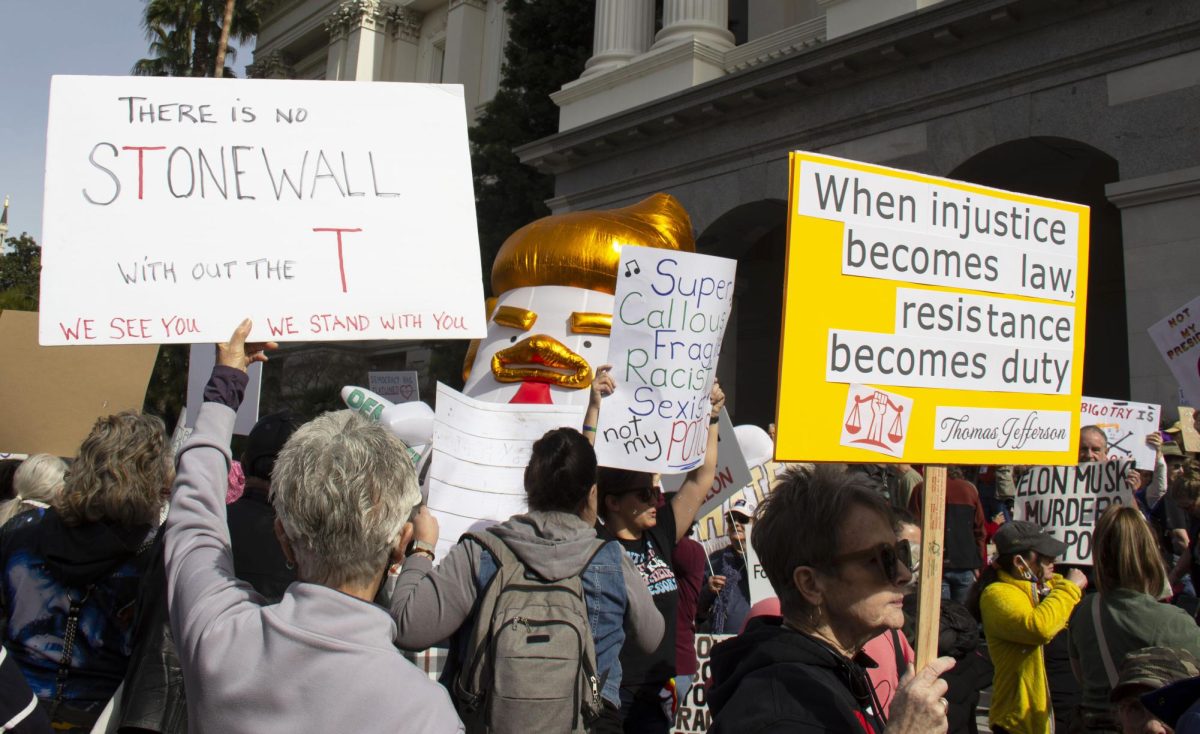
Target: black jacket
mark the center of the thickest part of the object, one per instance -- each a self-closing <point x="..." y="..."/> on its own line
<point x="774" y="679"/>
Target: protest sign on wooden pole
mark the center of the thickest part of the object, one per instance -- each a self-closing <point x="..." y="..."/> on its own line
<point x="929" y="321"/>
<point x="933" y="531"/>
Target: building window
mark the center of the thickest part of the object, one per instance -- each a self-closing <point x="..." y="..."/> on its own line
<point x="437" y="61"/>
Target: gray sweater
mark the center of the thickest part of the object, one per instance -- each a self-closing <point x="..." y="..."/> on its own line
<point x="319" y="660"/>
<point x="430" y="605"/>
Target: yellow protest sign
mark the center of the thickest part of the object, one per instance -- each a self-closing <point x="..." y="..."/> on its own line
<point x="928" y="320"/>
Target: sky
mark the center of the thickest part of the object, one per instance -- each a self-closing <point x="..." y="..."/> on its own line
<point x="40" y="38"/>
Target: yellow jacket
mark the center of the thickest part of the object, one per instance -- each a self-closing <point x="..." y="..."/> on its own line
<point x="1017" y="626"/>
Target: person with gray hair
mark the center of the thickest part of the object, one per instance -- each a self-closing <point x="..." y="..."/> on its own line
<point x="321" y="659"/>
<point x="37" y="481"/>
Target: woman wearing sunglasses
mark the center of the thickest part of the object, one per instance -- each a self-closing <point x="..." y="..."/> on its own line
<point x="631" y="506"/>
<point x="1023" y="605"/>
<point x="826" y="542"/>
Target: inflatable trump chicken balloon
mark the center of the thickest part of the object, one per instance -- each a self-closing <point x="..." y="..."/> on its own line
<point x="554" y="281"/>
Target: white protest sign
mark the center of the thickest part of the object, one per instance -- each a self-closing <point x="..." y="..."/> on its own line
<point x="1126" y="425"/>
<point x="760" y="585"/>
<point x="174" y="208"/>
<point x="399" y="387"/>
<point x="692" y="714"/>
<point x="1066" y="501"/>
<point x="480" y="451"/>
<point x="1179" y="344"/>
<point x="201" y="360"/>
<point x="670" y="313"/>
<point x="732" y="472"/>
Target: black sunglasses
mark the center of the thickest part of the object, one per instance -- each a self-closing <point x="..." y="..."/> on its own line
<point x="649" y="495"/>
<point x="887" y="556"/>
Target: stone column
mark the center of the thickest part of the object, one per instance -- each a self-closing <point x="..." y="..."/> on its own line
<point x="466" y="21"/>
<point x="624" y="29"/>
<point x="406" y="35"/>
<point x="706" y="21"/>
<point x="356" y="32"/>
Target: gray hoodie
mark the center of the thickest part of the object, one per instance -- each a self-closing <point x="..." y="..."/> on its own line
<point x="430" y="604"/>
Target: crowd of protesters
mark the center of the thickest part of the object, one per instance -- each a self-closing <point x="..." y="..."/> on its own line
<point x="148" y="590"/>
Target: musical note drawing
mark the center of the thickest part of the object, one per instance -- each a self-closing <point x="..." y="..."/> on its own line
<point x="637" y="269"/>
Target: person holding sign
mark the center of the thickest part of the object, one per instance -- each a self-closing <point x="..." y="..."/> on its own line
<point x="725" y="599"/>
<point x="1125" y="615"/>
<point x="826" y="541"/>
<point x="1023" y="605"/>
<point x="323" y="658"/>
<point x="630" y="509"/>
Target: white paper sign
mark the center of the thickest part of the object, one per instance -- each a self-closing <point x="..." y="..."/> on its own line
<point x="480" y="451"/>
<point x="760" y="585"/>
<point x="670" y="316"/>
<point x="1001" y="429"/>
<point x="1178" y="342"/>
<point x="1067" y="500"/>
<point x="732" y="472"/>
<point x="399" y="387"/>
<point x="201" y="360"/>
<point x="1126" y="425"/>
<point x="322" y="210"/>
<point x="693" y="714"/>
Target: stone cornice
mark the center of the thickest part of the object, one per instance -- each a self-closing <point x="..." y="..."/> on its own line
<point x="918" y="38"/>
<point x="776" y="45"/>
<point x="1179" y="184"/>
<point x="477" y="4"/>
<point x="641" y="66"/>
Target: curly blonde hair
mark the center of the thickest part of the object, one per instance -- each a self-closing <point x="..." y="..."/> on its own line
<point x="123" y="469"/>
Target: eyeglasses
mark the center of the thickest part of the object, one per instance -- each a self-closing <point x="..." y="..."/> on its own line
<point x="649" y="495"/>
<point x="887" y="556"/>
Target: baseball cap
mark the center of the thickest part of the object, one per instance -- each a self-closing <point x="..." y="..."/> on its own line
<point x="742" y="508"/>
<point x="1152" y="668"/>
<point x="1019" y="536"/>
<point x="265" y="442"/>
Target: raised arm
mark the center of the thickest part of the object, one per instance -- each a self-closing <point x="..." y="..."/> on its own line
<point x="603" y="385"/>
<point x="429" y="604"/>
<point x="201" y="584"/>
<point x="699" y="480"/>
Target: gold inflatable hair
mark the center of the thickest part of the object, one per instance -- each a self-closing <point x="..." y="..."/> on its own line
<point x="582" y="249"/>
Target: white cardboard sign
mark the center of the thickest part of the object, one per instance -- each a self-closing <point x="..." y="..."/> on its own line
<point x="669" y="318"/>
<point x="760" y="585"/>
<point x="322" y="210"/>
<point x="480" y="451"/>
<point x="1066" y="501"/>
<point x="1178" y="342"/>
<point x="1126" y="425"/>
<point x="732" y="472"/>
<point x="401" y="386"/>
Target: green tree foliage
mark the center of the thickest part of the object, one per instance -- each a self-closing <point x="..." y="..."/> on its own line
<point x="20" y="268"/>
<point x="548" y="43"/>
<point x="183" y="35"/>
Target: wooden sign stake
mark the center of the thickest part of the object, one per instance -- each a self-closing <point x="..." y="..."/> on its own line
<point x="933" y="530"/>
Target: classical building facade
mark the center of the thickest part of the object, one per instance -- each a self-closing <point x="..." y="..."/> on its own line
<point x="1094" y="101"/>
<point x="450" y="41"/>
<point x="1084" y="100"/>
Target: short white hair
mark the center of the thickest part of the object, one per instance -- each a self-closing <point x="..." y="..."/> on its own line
<point x="343" y="488"/>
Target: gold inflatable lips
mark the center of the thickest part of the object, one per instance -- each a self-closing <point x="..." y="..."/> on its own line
<point x="558" y="364"/>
